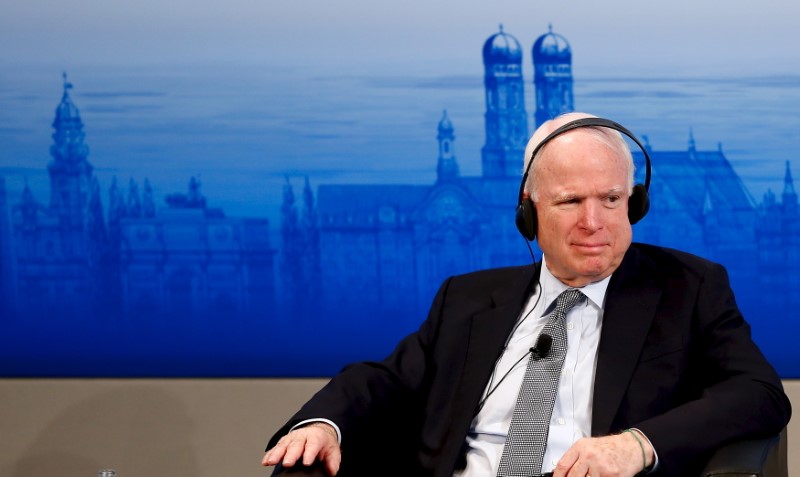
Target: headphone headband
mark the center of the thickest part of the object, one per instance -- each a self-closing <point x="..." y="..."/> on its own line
<point x="584" y="123"/>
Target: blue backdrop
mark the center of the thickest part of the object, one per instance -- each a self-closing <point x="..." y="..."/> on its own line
<point x="261" y="190"/>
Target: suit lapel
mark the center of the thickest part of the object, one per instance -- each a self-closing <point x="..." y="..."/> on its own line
<point x="630" y="307"/>
<point x="488" y="333"/>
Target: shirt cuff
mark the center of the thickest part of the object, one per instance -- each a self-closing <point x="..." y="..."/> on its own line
<point x="329" y="422"/>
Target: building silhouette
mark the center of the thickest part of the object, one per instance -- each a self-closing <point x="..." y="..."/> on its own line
<point x="190" y="260"/>
<point x="552" y="76"/>
<point x="505" y="119"/>
<point x="778" y="250"/>
<point x="71" y="258"/>
<point x="368" y="252"/>
<point x="54" y="243"/>
<point x="385" y="248"/>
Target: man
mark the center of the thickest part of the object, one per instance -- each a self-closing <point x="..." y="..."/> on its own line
<point x="658" y="371"/>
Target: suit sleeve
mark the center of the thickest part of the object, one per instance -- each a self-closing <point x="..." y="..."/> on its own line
<point x="730" y="390"/>
<point x="367" y="396"/>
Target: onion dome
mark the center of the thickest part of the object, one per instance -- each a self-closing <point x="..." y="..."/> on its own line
<point x="502" y="48"/>
<point x="551" y="48"/>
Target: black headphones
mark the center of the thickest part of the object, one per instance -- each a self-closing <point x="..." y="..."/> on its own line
<point x="638" y="202"/>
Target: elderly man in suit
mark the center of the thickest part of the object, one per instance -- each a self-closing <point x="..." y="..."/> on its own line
<point x="655" y="366"/>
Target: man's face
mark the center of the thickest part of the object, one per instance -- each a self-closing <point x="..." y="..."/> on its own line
<point x="582" y="208"/>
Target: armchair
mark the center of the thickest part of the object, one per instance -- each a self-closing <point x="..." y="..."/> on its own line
<point x="750" y="458"/>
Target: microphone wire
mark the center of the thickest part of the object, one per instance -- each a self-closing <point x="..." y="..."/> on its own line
<point x="531" y="351"/>
<point x="491" y="387"/>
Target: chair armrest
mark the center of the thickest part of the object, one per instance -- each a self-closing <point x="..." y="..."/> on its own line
<point x="750" y="458"/>
<point x="299" y="470"/>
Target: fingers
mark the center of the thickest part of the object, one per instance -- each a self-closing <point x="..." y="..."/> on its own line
<point x="277" y="453"/>
<point x="313" y="448"/>
<point x="333" y="461"/>
<point x="574" y="462"/>
<point x="307" y="445"/>
<point x="610" y="456"/>
<point x="294" y="449"/>
<point x="566" y="462"/>
<point x="580" y="470"/>
<point x="325" y="447"/>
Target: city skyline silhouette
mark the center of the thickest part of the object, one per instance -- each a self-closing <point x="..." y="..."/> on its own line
<point x="279" y="297"/>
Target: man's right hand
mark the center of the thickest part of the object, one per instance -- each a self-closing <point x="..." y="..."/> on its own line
<point x="316" y="441"/>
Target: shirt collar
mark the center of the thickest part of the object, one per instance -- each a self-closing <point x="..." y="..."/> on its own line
<point x="552" y="287"/>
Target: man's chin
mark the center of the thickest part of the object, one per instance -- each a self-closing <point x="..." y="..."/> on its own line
<point x="596" y="272"/>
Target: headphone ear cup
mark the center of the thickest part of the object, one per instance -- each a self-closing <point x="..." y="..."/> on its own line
<point x="526" y="219"/>
<point x="638" y="203"/>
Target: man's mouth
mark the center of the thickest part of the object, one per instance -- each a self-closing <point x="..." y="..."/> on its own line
<point x="590" y="247"/>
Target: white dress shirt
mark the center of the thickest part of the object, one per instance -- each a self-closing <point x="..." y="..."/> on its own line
<point x="572" y="412"/>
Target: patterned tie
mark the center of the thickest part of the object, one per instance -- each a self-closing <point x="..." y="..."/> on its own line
<point x="527" y="436"/>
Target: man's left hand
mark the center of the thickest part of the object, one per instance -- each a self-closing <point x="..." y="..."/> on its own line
<point x="619" y="455"/>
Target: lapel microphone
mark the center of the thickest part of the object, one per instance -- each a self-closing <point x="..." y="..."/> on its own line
<point x="539" y="351"/>
<point x="542" y="347"/>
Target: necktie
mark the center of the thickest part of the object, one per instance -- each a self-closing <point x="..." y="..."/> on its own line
<point x="527" y="436"/>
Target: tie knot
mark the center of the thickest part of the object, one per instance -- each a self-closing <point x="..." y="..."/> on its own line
<point x="567" y="299"/>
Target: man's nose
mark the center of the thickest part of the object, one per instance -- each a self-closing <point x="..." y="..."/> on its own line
<point x="590" y="216"/>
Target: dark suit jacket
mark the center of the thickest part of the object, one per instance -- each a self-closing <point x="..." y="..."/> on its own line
<point x="675" y="360"/>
